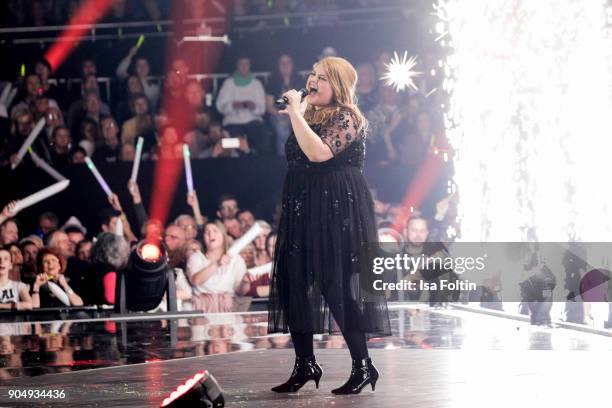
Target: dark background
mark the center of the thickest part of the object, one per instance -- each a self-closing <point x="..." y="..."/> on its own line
<point x="407" y="30"/>
<point x="256" y="182"/>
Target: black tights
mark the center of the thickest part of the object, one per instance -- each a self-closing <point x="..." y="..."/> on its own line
<point x="355" y="340"/>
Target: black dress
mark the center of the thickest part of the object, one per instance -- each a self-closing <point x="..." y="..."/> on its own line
<point x="327" y="212"/>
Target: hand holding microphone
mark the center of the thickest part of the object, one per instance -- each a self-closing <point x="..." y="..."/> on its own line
<point x="293" y="95"/>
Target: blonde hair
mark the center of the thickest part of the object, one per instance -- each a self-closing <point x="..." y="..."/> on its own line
<point x="342" y="77"/>
<point x="264" y="224"/>
<point x="226" y="237"/>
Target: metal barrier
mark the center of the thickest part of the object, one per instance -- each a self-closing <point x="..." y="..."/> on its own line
<point x="217" y="79"/>
<point x="246" y="23"/>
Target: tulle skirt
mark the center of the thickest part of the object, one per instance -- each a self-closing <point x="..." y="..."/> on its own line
<point x="327" y="213"/>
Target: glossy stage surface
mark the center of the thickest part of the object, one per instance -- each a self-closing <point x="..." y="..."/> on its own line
<point x="436" y="358"/>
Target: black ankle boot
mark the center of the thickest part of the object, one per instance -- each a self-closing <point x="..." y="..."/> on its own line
<point x="304" y="370"/>
<point x="362" y="374"/>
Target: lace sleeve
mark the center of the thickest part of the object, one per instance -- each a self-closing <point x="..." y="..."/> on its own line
<point x="341" y="132"/>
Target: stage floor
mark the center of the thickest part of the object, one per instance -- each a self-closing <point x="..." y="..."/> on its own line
<point x="446" y="358"/>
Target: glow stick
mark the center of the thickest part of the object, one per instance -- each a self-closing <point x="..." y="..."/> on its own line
<point x="59" y="293"/>
<point x="261" y="269"/>
<point x="23" y="72"/>
<point x="5" y="92"/>
<point x="98" y="176"/>
<point x="46" y="167"/>
<point x="41" y="195"/>
<point x="206" y="38"/>
<point x="119" y="228"/>
<point x="188" y="174"/>
<point x="28" y="142"/>
<point x="140" y="40"/>
<point x="244" y="240"/>
<point x="11" y="96"/>
<point x="136" y="164"/>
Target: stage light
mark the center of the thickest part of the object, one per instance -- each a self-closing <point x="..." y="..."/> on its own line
<point x="145" y="281"/>
<point x="390" y="240"/>
<point x="150" y="252"/>
<point x="201" y="390"/>
<point x="389" y="235"/>
<point x="595" y="286"/>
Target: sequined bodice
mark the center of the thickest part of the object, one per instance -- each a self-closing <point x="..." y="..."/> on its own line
<point x="352" y="155"/>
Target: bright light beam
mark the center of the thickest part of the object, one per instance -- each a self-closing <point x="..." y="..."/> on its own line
<point x="399" y="72"/>
<point x="529" y="85"/>
<point x="200" y="57"/>
<point x="80" y="23"/>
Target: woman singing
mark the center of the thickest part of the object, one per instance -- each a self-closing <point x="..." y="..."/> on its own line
<point x="327" y="213"/>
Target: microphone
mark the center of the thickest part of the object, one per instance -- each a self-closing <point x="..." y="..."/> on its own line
<point x="281" y="103"/>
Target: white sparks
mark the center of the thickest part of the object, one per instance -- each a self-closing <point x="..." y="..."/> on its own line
<point x="399" y="72"/>
<point x="530" y="99"/>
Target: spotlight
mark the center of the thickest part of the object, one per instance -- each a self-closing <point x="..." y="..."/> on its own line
<point x="142" y="285"/>
<point x="390" y="235"/>
<point x="390" y="240"/>
<point x="150" y="252"/>
<point x="595" y="286"/>
<point x="201" y="390"/>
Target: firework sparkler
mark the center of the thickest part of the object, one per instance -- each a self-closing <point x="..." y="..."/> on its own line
<point x="399" y="72"/>
<point x="530" y="96"/>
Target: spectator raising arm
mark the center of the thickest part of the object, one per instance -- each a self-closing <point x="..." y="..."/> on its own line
<point x="127" y="230"/>
<point x="124" y="65"/>
<point x="8" y="211"/>
<point x="194" y="203"/>
<point x="139" y="208"/>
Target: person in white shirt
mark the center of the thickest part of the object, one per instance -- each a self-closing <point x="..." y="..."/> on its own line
<point x="242" y="102"/>
<point x="216" y="277"/>
<point x="13" y="295"/>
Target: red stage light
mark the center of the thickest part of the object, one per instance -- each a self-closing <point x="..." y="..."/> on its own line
<point x="182" y="389"/>
<point x="198" y="57"/>
<point x="425" y="178"/>
<point x="150" y="252"/>
<point x="88" y="14"/>
<point x="200" y="390"/>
